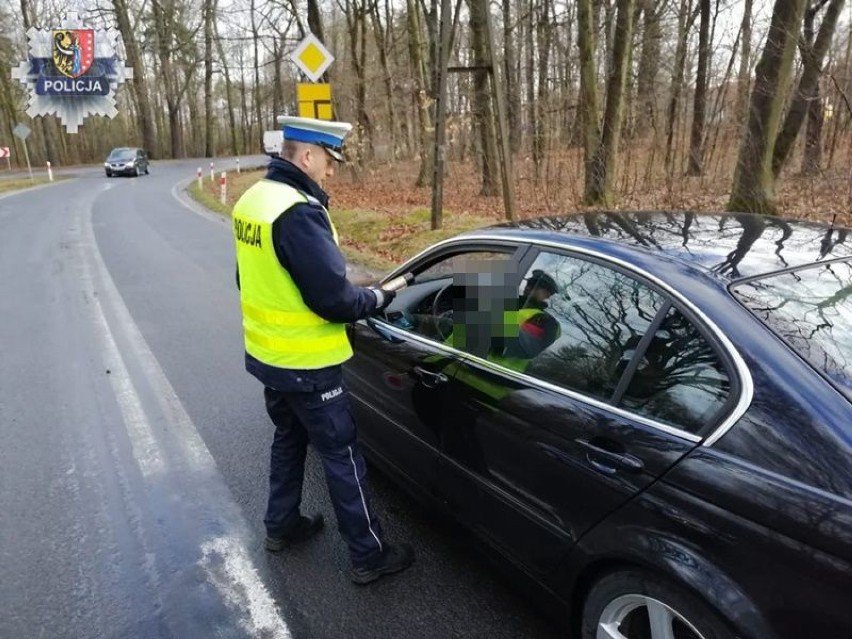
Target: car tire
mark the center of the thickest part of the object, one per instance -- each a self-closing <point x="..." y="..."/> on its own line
<point x="137" y="171"/>
<point x="621" y="605"/>
<point x="109" y="173"/>
<point x="147" y="170"/>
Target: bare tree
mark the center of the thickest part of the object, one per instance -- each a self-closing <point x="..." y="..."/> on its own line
<point x="754" y="180"/>
<point x="699" y="105"/>
<point x="208" y="10"/>
<point x="600" y="168"/>
<point x="140" y="84"/>
<point x="482" y="112"/>
<point x="422" y="99"/>
<point x="685" y="18"/>
<point x="51" y="149"/>
<point x="806" y="99"/>
<point x="649" y="64"/>
<point x="744" y="73"/>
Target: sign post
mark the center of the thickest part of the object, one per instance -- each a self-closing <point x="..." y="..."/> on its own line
<point x="22" y="131"/>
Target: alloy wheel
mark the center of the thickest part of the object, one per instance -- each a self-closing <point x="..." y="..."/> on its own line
<point x="642" y="617"/>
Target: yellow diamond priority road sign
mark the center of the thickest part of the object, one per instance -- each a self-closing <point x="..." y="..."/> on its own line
<point x="312" y="57"/>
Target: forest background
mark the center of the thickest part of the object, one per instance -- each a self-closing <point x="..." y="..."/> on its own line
<point x="621" y="104"/>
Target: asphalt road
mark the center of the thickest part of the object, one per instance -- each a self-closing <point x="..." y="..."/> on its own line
<point x="135" y="447"/>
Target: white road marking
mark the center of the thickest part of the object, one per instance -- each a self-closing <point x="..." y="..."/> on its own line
<point x="237" y="568"/>
<point x="232" y="572"/>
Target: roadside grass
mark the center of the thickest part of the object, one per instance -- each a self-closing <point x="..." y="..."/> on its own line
<point x="25" y="183"/>
<point x="376" y="240"/>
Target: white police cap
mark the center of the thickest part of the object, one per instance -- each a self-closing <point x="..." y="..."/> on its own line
<point x="324" y="133"/>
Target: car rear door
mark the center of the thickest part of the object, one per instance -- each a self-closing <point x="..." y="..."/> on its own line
<point x="538" y="452"/>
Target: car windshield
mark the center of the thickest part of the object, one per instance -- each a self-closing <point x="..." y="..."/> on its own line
<point x="122" y="154"/>
<point x="811" y="309"/>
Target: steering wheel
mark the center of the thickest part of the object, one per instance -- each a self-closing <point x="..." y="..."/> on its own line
<point x="439" y="316"/>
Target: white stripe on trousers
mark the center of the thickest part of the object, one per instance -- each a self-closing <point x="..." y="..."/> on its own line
<point x="363" y="501"/>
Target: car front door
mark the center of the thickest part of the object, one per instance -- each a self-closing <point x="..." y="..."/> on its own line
<point x="404" y="359"/>
<point x="542" y="449"/>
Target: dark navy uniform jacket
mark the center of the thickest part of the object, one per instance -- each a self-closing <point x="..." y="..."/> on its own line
<point x="305" y="247"/>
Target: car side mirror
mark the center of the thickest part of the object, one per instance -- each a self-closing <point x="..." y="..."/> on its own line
<point x="381" y="330"/>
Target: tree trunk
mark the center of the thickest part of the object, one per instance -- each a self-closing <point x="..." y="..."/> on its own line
<point x="699" y="105"/>
<point x="544" y="40"/>
<point x="513" y="96"/>
<point x="232" y="120"/>
<point x="381" y="38"/>
<point x="753" y="186"/>
<point x="588" y="90"/>
<point x="599" y="188"/>
<point x="806" y="96"/>
<point x="685" y="18"/>
<point x="209" y="8"/>
<point x="812" y="158"/>
<point x="164" y="32"/>
<point x="744" y="75"/>
<point x="356" y="29"/>
<point x="415" y="49"/>
<point x="277" y="90"/>
<point x="257" y="140"/>
<point x="140" y="85"/>
<point x="482" y="112"/>
<point x="315" y="20"/>
<point x="530" y="67"/>
<point x="649" y="65"/>
<point x="50" y="150"/>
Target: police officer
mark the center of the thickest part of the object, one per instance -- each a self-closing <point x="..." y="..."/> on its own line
<point x="296" y="302"/>
<point x="538" y="328"/>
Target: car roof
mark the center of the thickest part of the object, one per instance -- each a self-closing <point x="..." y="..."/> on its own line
<point x="125" y="148"/>
<point x="728" y="245"/>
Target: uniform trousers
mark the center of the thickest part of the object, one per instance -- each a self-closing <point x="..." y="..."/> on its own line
<point x="315" y="407"/>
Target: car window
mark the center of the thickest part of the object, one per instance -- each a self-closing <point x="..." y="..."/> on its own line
<point x="579" y="323"/>
<point x="433" y="305"/>
<point x="811" y="310"/>
<point x="121" y="154"/>
<point x="680" y="379"/>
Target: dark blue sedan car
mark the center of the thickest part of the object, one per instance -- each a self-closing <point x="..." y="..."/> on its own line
<point x="647" y="415"/>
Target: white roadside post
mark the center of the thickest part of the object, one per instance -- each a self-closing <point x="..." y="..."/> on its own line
<point x="49" y="173"/>
<point x="223" y="188"/>
<point x="212" y="176"/>
<point x="238" y="165"/>
<point x="199" y="178"/>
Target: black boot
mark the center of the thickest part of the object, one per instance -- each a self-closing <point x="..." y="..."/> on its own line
<point x="304" y="530"/>
<point x="391" y="559"/>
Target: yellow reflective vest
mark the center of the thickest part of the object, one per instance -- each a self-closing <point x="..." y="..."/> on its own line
<point x="280" y="330"/>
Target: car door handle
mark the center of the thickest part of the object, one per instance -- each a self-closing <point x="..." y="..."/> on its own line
<point x="429" y="379"/>
<point x="609" y="462"/>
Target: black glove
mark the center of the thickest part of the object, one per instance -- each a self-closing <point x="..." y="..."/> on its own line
<point x="383" y="298"/>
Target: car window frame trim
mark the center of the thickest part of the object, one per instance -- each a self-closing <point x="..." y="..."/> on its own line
<point x="740" y="368"/>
